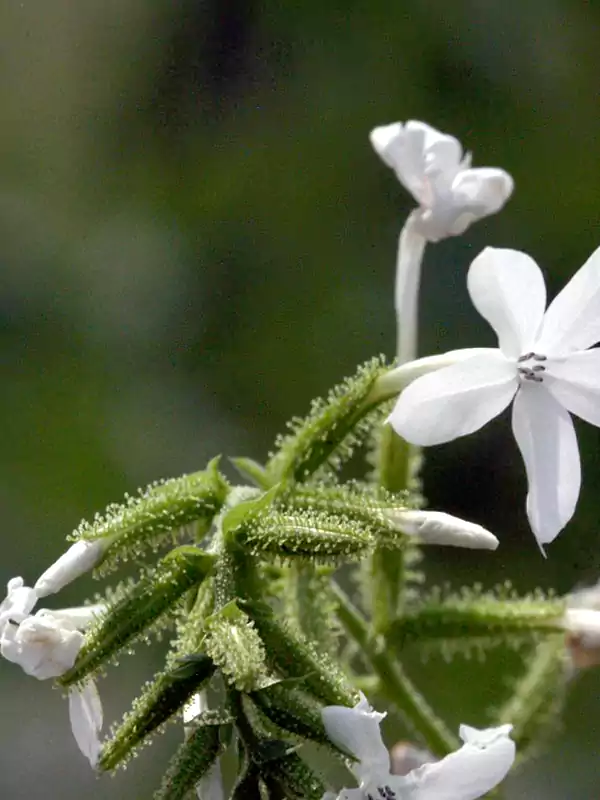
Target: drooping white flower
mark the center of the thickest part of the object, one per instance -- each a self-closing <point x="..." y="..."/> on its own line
<point x="450" y="195"/>
<point x="469" y="773"/>
<point x="80" y="558"/>
<point x="18" y="603"/>
<point x="45" y="646"/>
<point x="431" y="165"/>
<point x="541" y="363"/>
<point x="85" y="714"/>
<point x="436" y="527"/>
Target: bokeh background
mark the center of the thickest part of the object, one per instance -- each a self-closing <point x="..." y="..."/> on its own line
<point x="196" y="239"/>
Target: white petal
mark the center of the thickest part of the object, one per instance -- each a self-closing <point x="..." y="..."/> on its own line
<point x="356" y="730"/>
<point x="436" y="527"/>
<point x="455" y="401"/>
<point x="80" y="558"/>
<point x="508" y="290"/>
<point x="572" y="321"/>
<point x="18" y="603"/>
<point x="575" y="383"/>
<point x="584" y="623"/>
<point x="469" y="773"/>
<point x="546" y="437"/>
<point x="483" y="189"/>
<point x="85" y="713"/>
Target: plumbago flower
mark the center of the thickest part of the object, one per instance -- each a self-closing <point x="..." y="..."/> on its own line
<point x="431" y="165"/>
<point x="451" y="195"/>
<point x="481" y="763"/>
<point x="46" y="645"/>
<point x="542" y="363"/>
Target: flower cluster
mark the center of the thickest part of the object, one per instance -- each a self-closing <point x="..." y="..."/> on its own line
<point x="269" y="650"/>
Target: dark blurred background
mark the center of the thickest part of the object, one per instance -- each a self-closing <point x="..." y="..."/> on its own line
<point x="196" y="239"/>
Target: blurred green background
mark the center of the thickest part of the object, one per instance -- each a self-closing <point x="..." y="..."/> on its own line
<point x="196" y="239"/>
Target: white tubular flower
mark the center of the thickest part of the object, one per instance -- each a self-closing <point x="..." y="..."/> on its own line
<point x="45" y="646"/>
<point x="85" y="714"/>
<point x="18" y="603"/>
<point x="480" y="764"/>
<point x="80" y="558"/>
<point x="541" y="363"/>
<point x="436" y="527"/>
<point x="451" y="195"/>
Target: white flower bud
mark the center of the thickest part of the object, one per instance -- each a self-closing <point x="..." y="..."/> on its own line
<point x="44" y="646"/>
<point x="80" y="558"/>
<point x="584" y="623"/>
<point x="435" y="527"/>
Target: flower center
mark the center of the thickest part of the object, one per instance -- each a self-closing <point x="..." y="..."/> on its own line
<point x="534" y="371"/>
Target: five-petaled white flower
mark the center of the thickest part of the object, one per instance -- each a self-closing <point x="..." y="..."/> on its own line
<point x="481" y="763"/>
<point x="542" y="362"/>
<point x="451" y="195"/>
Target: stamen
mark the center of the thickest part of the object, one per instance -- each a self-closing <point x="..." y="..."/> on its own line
<point x="538" y="368"/>
<point x="538" y="357"/>
<point x="526" y="357"/>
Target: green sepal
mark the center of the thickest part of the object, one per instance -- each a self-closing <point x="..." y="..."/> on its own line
<point x="330" y="432"/>
<point x="310" y="606"/>
<point x="162" y="698"/>
<point x="310" y="535"/>
<point x="472" y="615"/>
<point x="146" y="601"/>
<point x="251" y="470"/>
<point x="285" y="774"/>
<point x="537" y="696"/>
<point x="247" y="511"/>
<point x="292" y="710"/>
<point x="232" y="641"/>
<point x="150" y="519"/>
<point x="192" y="760"/>
<point x="293" y="656"/>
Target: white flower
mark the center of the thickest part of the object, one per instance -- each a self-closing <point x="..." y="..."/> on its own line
<point x="80" y="558"/>
<point x="85" y="714"/>
<point x="541" y="362"/>
<point x="584" y="623"/>
<point x="436" y="527"/>
<point x="18" y="603"/>
<point x="480" y="764"/>
<point x="45" y="646"/>
<point x="451" y="195"/>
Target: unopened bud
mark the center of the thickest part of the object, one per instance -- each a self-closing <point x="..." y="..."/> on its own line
<point x="80" y="558"/>
<point x="436" y="527"/>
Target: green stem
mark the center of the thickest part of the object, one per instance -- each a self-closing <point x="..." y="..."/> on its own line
<point x="395" y="684"/>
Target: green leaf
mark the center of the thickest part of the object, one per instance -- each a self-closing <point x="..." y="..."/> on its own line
<point x="252" y="471"/>
<point x="247" y="511"/>
<point x="192" y="760"/>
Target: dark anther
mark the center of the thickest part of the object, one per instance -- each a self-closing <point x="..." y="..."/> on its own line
<point x="526" y="357"/>
<point x="390" y="794"/>
<point x="539" y="358"/>
<point x="538" y="368"/>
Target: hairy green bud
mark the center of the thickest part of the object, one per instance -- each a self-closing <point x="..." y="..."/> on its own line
<point x="154" y="595"/>
<point x="191" y="762"/>
<point x="161" y="699"/>
<point x="292" y="710"/>
<point x="233" y="643"/>
<point x="293" y="656"/>
<point x="310" y="535"/>
<point x="149" y="520"/>
<point x="330" y="432"/>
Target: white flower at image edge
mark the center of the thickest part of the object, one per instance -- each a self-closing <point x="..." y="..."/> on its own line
<point x="18" y="603"/>
<point x="451" y="195"/>
<point x="481" y="763"/>
<point x="542" y="363"/>
<point x="46" y="645"/>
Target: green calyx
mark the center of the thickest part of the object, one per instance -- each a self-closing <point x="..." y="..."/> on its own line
<point x="153" y="596"/>
<point x="151" y="519"/>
